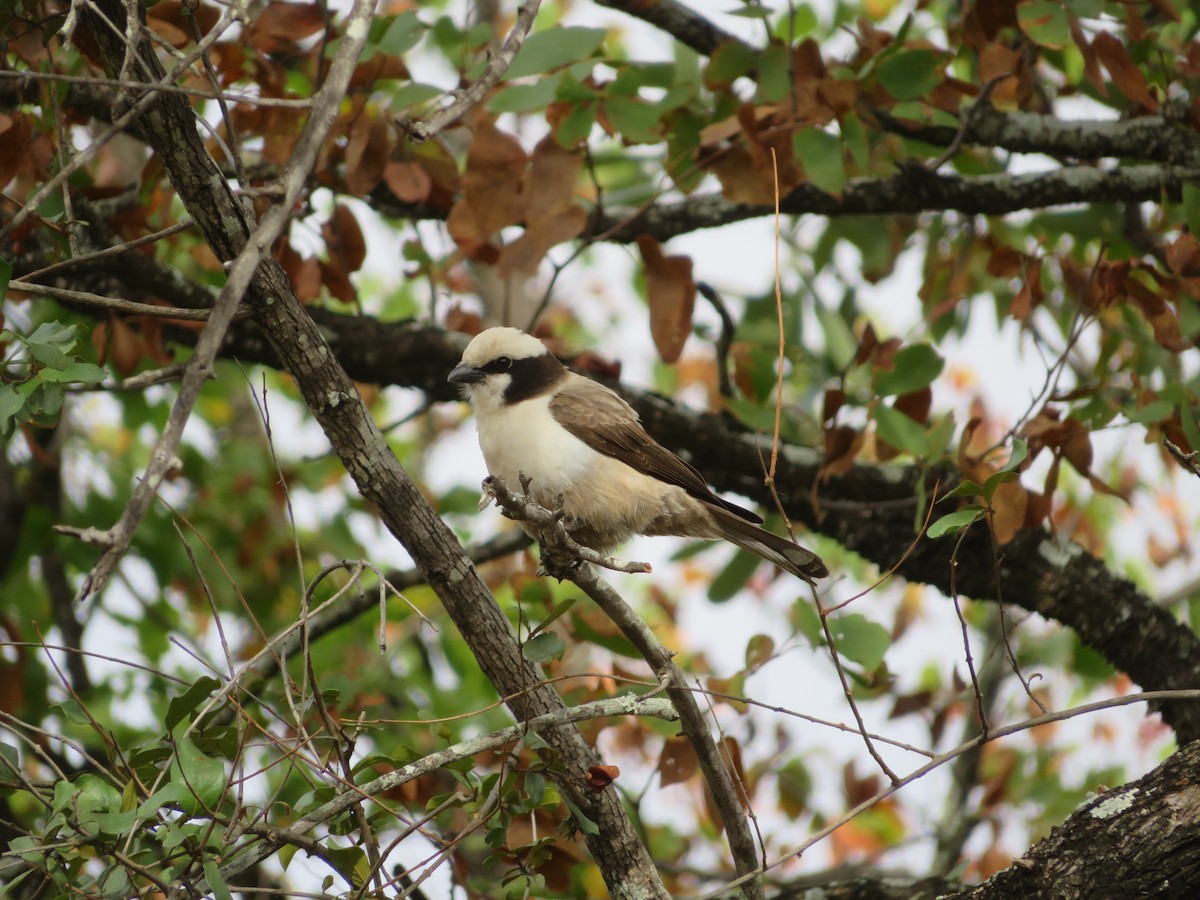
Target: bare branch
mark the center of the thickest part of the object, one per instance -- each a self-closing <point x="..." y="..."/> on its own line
<point x="132" y="307"/>
<point x="469" y="98"/>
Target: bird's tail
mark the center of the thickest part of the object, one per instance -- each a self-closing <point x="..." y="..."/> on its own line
<point x="771" y="547"/>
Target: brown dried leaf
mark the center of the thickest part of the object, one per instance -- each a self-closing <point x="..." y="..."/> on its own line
<point x="1124" y="71"/>
<point x="1091" y="65"/>
<point x="677" y="762"/>
<point x="525" y="253"/>
<point x="492" y="184"/>
<point x="280" y="26"/>
<point x="366" y="154"/>
<point x="125" y="348"/>
<point x="344" y="238"/>
<point x="842" y="446"/>
<point x="835" y="399"/>
<point x="551" y="215"/>
<point x="600" y="777"/>
<point x="672" y="295"/>
<point x="1008" y="505"/>
<point x="915" y="405"/>
<point x="408" y="181"/>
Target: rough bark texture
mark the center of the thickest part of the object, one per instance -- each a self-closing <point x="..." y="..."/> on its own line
<point x="302" y="351"/>
<point x="1139" y="840"/>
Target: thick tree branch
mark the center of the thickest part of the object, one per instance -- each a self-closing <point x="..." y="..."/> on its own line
<point x="1138" y="840"/>
<point x="912" y="190"/>
<point x="681" y="22"/>
<point x="1147" y="137"/>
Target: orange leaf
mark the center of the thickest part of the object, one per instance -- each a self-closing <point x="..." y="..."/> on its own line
<point x="677" y="762"/>
<point x="1124" y="71"/>
<point x="600" y="777"/>
<point x="551" y="215"/>
<point x="408" y="181"/>
<point x="280" y="25"/>
<point x="366" y="154"/>
<point x="842" y="445"/>
<point x="125" y="347"/>
<point x="672" y="295"/>
<point x="491" y="187"/>
<point x="344" y="238"/>
<point x="1009" y="503"/>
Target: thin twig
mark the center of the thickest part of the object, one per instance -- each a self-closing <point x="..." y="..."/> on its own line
<point x="132" y="307"/>
<point x="241" y="273"/>
<point x="100" y="81"/>
<point x="470" y="97"/>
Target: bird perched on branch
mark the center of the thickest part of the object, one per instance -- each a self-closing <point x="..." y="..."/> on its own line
<point x="576" y="439"/>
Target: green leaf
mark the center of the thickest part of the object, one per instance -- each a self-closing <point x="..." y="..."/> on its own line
<point x="821" y="154"/>
<point x="216" y="884"/>
<point x="10" y="403"/>
<point x="181" y="707"/>
<point x="752" y="12"/>
<point x="733" y="577"/>
<point x="545" y="646"/>
<point x="965" y="488"/>
<point x="526" y="97"/>
<point x="76" y="372"/>
<point x="5" y="275"/>
<point x="49" y="355"/>
<point x="861" y="640"/>
<point x="639" y="122"/>
<point x="806" y="621"/>
<point x="203" y="776"/>
<point x="900" y="431"/>
<point x="730" y="61"/>
<point x="546" y="50"/>
<point x="404" y="33"/>
<point x="1191" y="212"/>
<point x="1045" y="22"/>
<point x="1152" y="412"/>
<point x="840" y="343"/>
<point x="53" y="333"/>
<point x="559" y="608"/>
<point x="582" y="822"/>
<point x="914" y="367"/>
<point x="576" y="125"/>
<point x="909" y="74"/>
<point x="961" y="518"/>
<point x="774" y="74"/>
<point x="412" y="94"/>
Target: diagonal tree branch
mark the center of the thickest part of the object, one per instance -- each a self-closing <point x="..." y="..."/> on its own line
<point x="681" y="22"/>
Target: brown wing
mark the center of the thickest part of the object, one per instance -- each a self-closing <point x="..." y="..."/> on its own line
<point x="609" y="425"/>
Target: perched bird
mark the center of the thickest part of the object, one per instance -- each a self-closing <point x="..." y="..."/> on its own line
<point x="577" y="439"/>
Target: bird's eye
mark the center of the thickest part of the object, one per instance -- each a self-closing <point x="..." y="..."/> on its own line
<point x="503" y="363"/>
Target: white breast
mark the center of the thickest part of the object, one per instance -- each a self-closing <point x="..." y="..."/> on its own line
<point x="524" y="438"/>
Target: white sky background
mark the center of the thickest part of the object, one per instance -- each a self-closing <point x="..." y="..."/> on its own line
<point x="740" y="259"/>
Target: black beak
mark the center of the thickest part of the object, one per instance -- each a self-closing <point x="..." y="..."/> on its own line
<point x="464" y="374"/>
